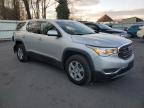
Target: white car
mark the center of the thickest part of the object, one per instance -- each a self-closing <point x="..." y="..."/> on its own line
<point x="140" y="33"/>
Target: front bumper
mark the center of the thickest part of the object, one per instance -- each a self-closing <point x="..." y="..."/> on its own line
<point x="112" y="75"/>
<point x="112" y="67"/>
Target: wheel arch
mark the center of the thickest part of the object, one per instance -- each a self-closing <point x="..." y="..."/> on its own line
<point x="17" y="42"/>
<point x="74" y="51"/>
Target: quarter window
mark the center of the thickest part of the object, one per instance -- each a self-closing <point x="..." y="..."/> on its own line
<point x="20" y="25"/>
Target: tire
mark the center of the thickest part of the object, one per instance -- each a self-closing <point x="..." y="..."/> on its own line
<point x="78" y="70"/>
<point x="21" y="53"/>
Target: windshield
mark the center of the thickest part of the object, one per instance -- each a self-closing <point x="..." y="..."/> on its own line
<point x="105" y="27"/>
<point x="75" y="28"/>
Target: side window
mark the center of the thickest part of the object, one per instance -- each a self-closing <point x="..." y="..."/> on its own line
<point x="46" y="27"/>
<point x="34" y="27"/>
<point x="20" y="25"/>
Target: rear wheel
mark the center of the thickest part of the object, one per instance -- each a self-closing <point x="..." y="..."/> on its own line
<point x="78" y="70"/>
<point x="21" y="53"/>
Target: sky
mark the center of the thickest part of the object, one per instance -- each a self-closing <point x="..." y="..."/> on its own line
<point x="117" y="9"/>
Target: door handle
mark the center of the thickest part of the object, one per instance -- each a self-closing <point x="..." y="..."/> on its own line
<point x="39" y="38"/>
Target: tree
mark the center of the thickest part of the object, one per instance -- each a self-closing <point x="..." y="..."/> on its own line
<point x="44" y="8"/>
<point x="62" y="9"/>
<point x="45" y="4"/>
<point x="37" y="9"/>
<point x="2" y="9"/>
<point x="16" y="9"/>
<point x="9" y="9"/>
<point x="26" y="3"/>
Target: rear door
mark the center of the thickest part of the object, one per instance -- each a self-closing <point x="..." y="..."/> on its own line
<point x="33" y="36"/>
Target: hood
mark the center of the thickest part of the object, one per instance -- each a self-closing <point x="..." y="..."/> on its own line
<point x="101" y="40"/>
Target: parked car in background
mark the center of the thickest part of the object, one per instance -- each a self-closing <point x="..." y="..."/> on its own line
<point x="132" y="30"/>
<point x="140" y="33"/>
<point x="105" y="29"/>
<point x="82" y="53"/>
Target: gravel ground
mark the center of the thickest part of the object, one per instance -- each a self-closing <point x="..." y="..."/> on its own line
<point x="39" y="85"/>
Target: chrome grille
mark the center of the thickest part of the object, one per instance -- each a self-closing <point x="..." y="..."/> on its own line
<point x="125" y="51"/>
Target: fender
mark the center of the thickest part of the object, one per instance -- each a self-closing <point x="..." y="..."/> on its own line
<point x="17" y="41"/>
<point x="71" y="51"/>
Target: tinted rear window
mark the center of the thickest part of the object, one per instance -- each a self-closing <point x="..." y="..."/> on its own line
<point x="20" y="25"/>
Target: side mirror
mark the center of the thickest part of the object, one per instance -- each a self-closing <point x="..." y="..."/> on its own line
<point x="53" y="33"/>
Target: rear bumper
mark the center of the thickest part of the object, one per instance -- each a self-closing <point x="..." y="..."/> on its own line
<point x="112" y="73"/>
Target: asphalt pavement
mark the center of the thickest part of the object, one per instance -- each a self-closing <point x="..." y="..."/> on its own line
<point x="39" y="85"/>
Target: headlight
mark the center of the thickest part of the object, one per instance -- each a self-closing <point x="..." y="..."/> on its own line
<point x="104" y="51"/>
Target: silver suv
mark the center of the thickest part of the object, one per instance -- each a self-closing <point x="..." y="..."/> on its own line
<point x="83" y="54"/>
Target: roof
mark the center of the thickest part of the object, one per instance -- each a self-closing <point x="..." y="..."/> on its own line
<point x="132" y="20"/>
<point x="105" y="18"/>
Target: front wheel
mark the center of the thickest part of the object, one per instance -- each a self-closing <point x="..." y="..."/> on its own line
<point x="78" y="70"/>
<point x="21" y="53"/>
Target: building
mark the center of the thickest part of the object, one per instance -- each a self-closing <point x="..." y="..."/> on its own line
<point x="131" y="20"/>
<point x="105" y="19"/>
